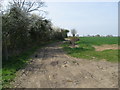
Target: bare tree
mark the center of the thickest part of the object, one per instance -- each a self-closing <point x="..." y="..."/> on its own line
<point x="73" y="32"/>
<point x="28" y="5"/>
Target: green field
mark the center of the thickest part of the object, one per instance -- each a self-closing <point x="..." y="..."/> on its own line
<point x="98" y="40"/>
<point x="87" y="51"/>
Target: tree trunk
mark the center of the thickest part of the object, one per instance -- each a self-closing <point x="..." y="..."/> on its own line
<point x="5" y="51"/>
<point x="73" y="35"/>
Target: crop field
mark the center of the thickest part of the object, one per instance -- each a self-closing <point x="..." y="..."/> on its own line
<point x="96" y="48"/>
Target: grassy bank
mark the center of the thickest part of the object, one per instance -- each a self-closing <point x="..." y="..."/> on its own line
<point x="86" y="50"/>
<point x="15" y="63"/>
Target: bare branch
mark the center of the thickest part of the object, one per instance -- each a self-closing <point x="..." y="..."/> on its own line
<point x="14" y="2"/>
<point x="18" y="2"/>
<point x="30" y="6"/>
<point x="38" y="6"/>
<point x="33" y="10"/>
<point x="23" y="4"/>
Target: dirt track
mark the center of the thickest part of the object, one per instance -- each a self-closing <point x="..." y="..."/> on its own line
<point x="54" y="69"/>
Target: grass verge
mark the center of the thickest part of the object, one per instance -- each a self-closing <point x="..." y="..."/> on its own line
<point x="15" y="63"/>
<point x="87" y="51"/>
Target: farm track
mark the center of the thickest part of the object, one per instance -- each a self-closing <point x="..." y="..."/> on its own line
<point x="54" y="69"/>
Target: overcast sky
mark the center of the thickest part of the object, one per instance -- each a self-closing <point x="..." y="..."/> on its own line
<point x="86" y="17"/>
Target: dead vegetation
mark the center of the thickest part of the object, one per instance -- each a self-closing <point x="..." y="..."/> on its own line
<point x="106" y="47"/>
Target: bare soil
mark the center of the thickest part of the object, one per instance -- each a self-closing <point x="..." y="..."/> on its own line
<point x="54" y="69"/>
<point x="106" y="47"/>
